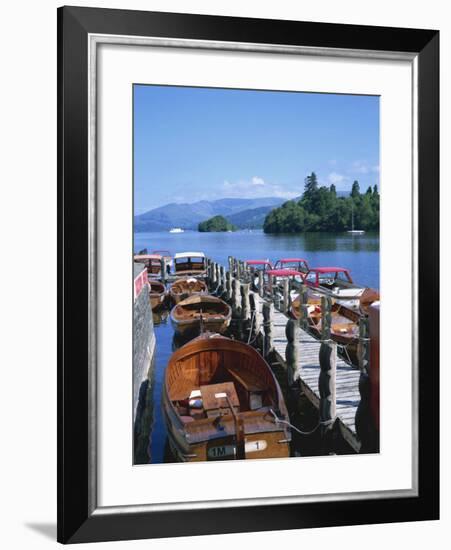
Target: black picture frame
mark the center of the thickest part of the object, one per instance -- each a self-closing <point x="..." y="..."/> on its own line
<point x="78" y="518"/>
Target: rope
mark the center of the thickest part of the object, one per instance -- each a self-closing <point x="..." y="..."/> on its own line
<point x="280" y="421"/>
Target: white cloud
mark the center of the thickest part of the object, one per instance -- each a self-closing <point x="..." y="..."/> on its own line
<point x="256" y="187"/>
<point x="363" y="167"/>
<point x="336" y="178"/>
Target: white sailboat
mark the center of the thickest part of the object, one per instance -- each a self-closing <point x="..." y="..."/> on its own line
<point x="354" y="231"/>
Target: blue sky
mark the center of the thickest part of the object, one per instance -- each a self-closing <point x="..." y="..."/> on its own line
<point x="200" y="143"/>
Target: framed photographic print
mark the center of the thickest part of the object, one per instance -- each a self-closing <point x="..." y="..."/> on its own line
<point x="248" y="274"/>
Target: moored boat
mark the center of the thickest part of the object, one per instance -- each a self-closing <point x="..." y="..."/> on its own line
<point x="153" y="263"/>
<point x="298" y="264"/>
<point x="193" y="264"/>
<point x="344" y="328"/>
<point x="167" y="257"/>
<point x="157" y="294"/>
<point x="201" y="312"/>
<point x="184" y="288"/>
<point x="335" y="281"/>
<point x="221" y="401"/>
<point x="258" y="265"/>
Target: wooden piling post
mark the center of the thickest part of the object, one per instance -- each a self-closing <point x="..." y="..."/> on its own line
<point x="268" y="315"/>
<point x="363" y="345"/>
<point x="237" y="269"/>
<point x="327" y="388"/>
<point x="303" y="298"/>
<point x="163" y="273"/>
<point x="230" y="261"/>
<point x="217" y="275"/>
<point x="245" y="304"/>
<point x="292" y="332"/>
<point x="236" y="298"/>
<point x="221" y="280"/>
<point x="326" y="317"/>
<point x="286" y="295"/>
<point x="261" y="290"/>
<point x="228" y="286"/>
<point x="254" y="301"/>
<point x="363" y="421"/>
<point x="328" y="374"/>
<point x="213" y="274"/>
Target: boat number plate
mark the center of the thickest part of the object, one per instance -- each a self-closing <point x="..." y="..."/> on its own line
<point x="226" y="451"/>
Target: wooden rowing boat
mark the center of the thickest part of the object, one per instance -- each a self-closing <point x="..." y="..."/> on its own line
<point x="157" y="294"/>
<point x="184" y="288"/>
<point x="221" y="401"/>
<point x="198" y="313"/>
<point x="368" y="297"/>
<point x="344" y="328"/>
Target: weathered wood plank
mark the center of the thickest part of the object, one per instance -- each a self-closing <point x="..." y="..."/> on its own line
<point x="308" y="370"/>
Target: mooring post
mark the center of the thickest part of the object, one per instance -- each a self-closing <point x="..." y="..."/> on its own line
<point x="208" y="265"/>
<point x="328" y="373"/>
<point x="254" y="301"/>
<point x="230" y="261"/>
<point x="363" y="422"/>
<point x="238" y="270"/>
<point x="292" y="332"/>
<point x="245" y="304"/>
<point x="261" y="290"/>
<point x="326" y="317"/>
<point x="236" y="298"/>
<point x="228" y="286"/>
<point x="303" y="299"/>
<point x="163" y="273"/>
<point x="217" y="275"/>
<point x="221" y="280"/>
<point x="286" y="295"/>
<point x="268" y="314"/>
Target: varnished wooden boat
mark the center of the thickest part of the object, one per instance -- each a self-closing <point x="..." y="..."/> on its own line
<point x="344" y="328"/>
<point x="157" y="294"/>
<point x="199" y="313"/>
<point x="192" y="264"/>
<point x="368" y="296"/>
<point x="221" y="401"/>
<point x="184" y="288"/>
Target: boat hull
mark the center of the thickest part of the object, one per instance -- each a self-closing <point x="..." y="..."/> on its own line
<point x="211" y="364"/>
<point x="194" y="327"/>
<point x="157" y="301"/>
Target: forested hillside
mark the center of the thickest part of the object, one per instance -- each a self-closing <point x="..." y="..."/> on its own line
<point x="320" y="209"/>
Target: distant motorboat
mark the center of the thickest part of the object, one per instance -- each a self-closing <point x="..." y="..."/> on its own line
<point x="176" y="230"/>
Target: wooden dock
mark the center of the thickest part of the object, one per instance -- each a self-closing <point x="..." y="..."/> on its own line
<point x="337" y="389"/>
<point x="308" y="370"/>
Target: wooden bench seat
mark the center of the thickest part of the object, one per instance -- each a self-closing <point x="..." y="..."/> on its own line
<point x="247" y="379"/>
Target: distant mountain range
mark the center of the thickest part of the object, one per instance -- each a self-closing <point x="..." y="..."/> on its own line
<point x="244" y="213"/>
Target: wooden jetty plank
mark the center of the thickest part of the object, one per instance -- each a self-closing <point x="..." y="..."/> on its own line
<point x="308" y="370"/>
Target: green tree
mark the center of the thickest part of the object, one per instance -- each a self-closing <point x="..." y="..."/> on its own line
<point x="217" y="223"/>
<point x="310" y="184"/>
<point x="320" y="209"/>
<point x="355" y="192"/>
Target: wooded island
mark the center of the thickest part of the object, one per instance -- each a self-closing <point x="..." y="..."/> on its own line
<point x="320" y="209"/>
<point x="214" y="224"/>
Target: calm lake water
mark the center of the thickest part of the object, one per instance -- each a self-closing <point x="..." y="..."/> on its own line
<point x="360" y="254"/>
